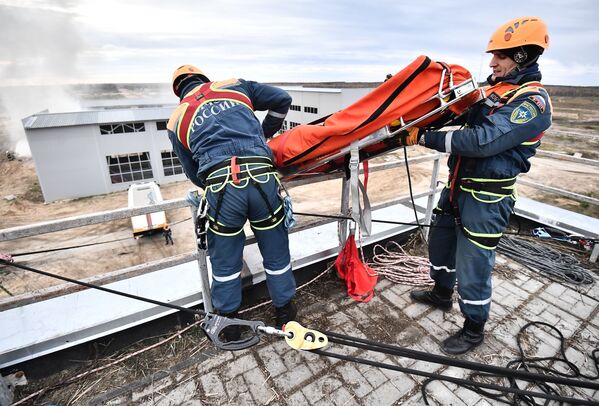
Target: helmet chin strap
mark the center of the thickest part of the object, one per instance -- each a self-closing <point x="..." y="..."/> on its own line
<point x="515" y="69"/>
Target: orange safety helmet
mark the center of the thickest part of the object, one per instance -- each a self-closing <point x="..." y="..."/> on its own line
<point x="185" y="70"/>
<point x="520" y="32"/>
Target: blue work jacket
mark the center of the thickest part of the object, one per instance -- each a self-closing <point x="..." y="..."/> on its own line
<point x="499" y="136"/>
<point x="221" y="129"/>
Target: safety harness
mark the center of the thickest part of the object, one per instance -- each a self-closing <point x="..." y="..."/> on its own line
<point x="239" y="172"/>
<point x="498" y="188"/>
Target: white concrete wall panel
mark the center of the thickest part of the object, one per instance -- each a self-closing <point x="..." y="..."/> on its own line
<point x="67" y="162"/>
<point x="71" y="161"/>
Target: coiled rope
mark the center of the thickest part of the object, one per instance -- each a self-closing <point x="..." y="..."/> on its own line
<point x="396" y="265"/>
<point x="543" y="259"/>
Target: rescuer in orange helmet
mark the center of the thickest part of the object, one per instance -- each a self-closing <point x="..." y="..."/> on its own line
<point x="517" y="45"/>
<point x="501" y="134"/>
<point x="222" y="147"/>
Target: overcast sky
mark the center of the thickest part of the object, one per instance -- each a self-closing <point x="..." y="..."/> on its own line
<point x="109" y="41"/>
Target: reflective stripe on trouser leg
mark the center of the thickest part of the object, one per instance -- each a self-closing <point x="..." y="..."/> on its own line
<point x="475" y="261"/>
<point x="474" y="279"/>
<point x="226" y="255"/>
<point x="273" y="244"/>
<point x="226" y="252"/>
<point x="441" y="251"/>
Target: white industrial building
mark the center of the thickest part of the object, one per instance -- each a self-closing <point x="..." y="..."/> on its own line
<point x="90" y="153"/>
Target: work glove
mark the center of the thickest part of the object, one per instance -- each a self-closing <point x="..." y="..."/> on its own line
<point x="410" y="136"/>
<point x="394" y="126"/>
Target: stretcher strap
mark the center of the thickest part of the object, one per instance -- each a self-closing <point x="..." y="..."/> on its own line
<point x="361" y="217"/>
<point x="396" y="92"/>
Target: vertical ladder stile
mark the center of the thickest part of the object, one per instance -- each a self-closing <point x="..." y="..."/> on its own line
<point x="203" y="267"/>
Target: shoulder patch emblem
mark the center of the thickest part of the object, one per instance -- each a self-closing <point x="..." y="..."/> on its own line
<point x="523" y="113"/>
<point x="539" y="102"/>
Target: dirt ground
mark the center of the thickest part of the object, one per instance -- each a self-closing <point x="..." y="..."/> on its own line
<point x="574" y="130"/>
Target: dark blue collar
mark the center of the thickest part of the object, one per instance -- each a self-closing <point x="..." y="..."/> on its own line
<point x="518" y="77"/>
<point x="187" y="84"/>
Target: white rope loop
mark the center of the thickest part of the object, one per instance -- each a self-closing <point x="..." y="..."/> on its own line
<point x="396" y="265"/>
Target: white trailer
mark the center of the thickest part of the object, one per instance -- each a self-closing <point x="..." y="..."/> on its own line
<point x="146" y="194"/>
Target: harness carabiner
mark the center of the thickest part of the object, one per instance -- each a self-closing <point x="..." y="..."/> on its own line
<point x="201" y="224"/>
<point x="213" y="325"/>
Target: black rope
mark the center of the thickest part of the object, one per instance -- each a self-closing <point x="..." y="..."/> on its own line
<point x="538" y="363"/>
<point x="441" y="359"/>
<point x="527" y="362"/>
<point x="92" y="286"/>
<point x="540" y="258"/>
<point x="340" y="217"/>
<point x="66" y="248"/>
<point x="541" y="380"/>
<point x="512" y="374"/>
<point x="405" y="155"/>
<point x="463" y="382"/>
<point x="82" y="245"/>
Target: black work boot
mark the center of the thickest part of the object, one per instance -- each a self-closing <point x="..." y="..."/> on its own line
<point x="231" y="333"/>
<point x="468" y="338"/>
<point x="285" y="314"/>
<point x="438" y="297"/>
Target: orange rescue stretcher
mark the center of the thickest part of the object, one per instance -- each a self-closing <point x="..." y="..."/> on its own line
<point x="426" y="94"/>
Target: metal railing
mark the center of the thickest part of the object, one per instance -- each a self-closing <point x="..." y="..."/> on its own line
<point x="18" y="232"/>
<point x="25" y="231"/>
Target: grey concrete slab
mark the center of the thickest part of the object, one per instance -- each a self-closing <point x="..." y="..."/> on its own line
<point x="272" y="373"/>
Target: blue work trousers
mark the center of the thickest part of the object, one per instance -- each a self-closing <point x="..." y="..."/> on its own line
<point x="455" y="257"/>
<point x="241" y="203"/>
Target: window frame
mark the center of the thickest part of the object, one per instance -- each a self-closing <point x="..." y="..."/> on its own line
<point x="173" y="165"/>
<point x="132" y="167"/>
<point x="122" y="128"/>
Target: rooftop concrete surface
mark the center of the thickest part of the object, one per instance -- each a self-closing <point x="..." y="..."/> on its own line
<point x="272" y="373"/>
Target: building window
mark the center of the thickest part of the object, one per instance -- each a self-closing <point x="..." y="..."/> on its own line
<point x="170" y="163"/>
<point x="160" y="125"/>
<point x="293" y="124"/>
<point x="122" y="128"/>
<point x="313" y="110"/>
<point x="129" y="167"/>
<point x="295" y="107"/>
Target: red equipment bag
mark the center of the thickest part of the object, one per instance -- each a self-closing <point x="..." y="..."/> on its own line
<point x="359" y="277"/>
